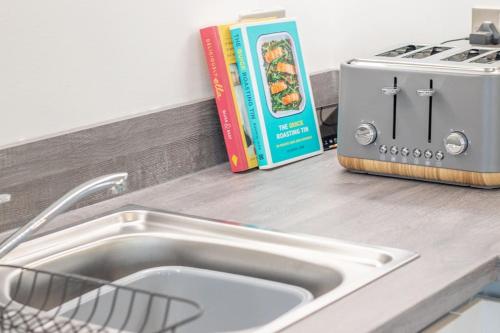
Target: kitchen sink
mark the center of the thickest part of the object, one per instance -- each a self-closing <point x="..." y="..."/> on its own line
<point x="132" y="239"/>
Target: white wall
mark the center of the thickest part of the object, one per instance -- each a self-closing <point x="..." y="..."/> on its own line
<point x="67" y="64"/>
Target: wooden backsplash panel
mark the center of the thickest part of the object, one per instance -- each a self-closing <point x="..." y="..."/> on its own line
<point x="152" y="148"/>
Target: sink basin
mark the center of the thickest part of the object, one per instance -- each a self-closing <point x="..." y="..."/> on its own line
<point x="231" y="303"/>
<point x="133" y="239"/>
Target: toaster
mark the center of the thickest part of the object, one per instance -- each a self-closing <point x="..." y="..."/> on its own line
<point x="428" y="112"/>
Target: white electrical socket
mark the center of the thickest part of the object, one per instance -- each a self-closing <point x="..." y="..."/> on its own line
<point x="479" y="15"/>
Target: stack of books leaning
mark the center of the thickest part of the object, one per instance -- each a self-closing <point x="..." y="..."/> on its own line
<point x="263" y="93"/>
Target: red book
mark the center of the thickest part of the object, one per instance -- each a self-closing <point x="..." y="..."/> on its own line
<point x="219" y="54"/>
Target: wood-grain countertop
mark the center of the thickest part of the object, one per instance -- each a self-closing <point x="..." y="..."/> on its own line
<point x="456" y="231"/>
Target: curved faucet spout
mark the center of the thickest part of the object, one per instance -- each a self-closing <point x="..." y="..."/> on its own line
<point x="116" y="182"/>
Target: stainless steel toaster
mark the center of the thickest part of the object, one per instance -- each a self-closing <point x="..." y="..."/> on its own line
<point x="429" y="112"/>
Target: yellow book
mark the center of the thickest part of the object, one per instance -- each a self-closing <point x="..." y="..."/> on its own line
<point x="237" y="92"/>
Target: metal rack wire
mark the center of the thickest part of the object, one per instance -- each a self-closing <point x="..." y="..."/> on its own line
<point x="33" y="301"/>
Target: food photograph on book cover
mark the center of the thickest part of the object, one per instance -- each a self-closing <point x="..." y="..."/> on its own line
<point x="284" y="87"/>
<point x="277" y="91"/>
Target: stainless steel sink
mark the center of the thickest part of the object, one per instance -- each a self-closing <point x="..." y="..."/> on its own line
<point x="131" y="239"/>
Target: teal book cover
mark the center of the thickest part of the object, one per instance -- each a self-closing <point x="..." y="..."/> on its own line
<point x="277" y="91"/>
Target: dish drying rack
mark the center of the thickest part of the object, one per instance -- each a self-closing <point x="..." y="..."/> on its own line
<point x="40" y="301"/>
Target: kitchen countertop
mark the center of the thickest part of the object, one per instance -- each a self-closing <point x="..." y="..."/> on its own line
<point x="456" y="231"/>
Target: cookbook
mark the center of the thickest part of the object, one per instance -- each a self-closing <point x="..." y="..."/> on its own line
<point x="277" y="91"/>
<point x="229" y="97"/>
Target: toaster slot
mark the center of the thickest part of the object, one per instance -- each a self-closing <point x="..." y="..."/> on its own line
<point x="393" y="91"/>
<point x="488" y="59"/>
<point x="466" y="55"/>
<point x="394" y="109"/>
<point x="429" y="125"/>
<point x="400" y="51"/>
<point x="428" y="93"/>
<point x="428" y="52"/>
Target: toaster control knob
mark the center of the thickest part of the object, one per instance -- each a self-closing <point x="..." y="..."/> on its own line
<point x="394" y="150"/>
<point x="405" y="151"/>
<point x="456" y="143"/>
<point x="428" y="154"/>
<point x="417" y="153"/>
<point x="439" y="155"/>
<point x="365" y="134"/>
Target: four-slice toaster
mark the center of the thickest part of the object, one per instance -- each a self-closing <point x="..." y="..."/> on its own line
<point x="429" y="112"/>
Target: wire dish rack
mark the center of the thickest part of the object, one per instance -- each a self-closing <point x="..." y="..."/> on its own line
<point x="33" y="301"/>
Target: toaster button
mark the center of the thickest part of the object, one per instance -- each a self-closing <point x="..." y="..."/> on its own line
<point x="405" y="151"/>
<point x="439" y="155"/>
<point x="382" y="149"/>
<point x="428" y="154"/>
<point x="394" y="150"/>
<point x="417" y="153"/>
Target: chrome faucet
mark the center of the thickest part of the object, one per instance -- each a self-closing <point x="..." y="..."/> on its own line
<point x="116" y="182"/>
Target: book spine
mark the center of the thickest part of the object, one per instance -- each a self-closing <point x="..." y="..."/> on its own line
<point x="250" y="101"/>
<point x="236" y="91"/>
<point x="224" y="98"/>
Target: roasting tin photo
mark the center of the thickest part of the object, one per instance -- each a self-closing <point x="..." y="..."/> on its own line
<point x="428" y="112"/>
<point x="283" y="83"/>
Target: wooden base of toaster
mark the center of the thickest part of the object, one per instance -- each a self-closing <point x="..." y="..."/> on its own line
<point x="467" y="178"/>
